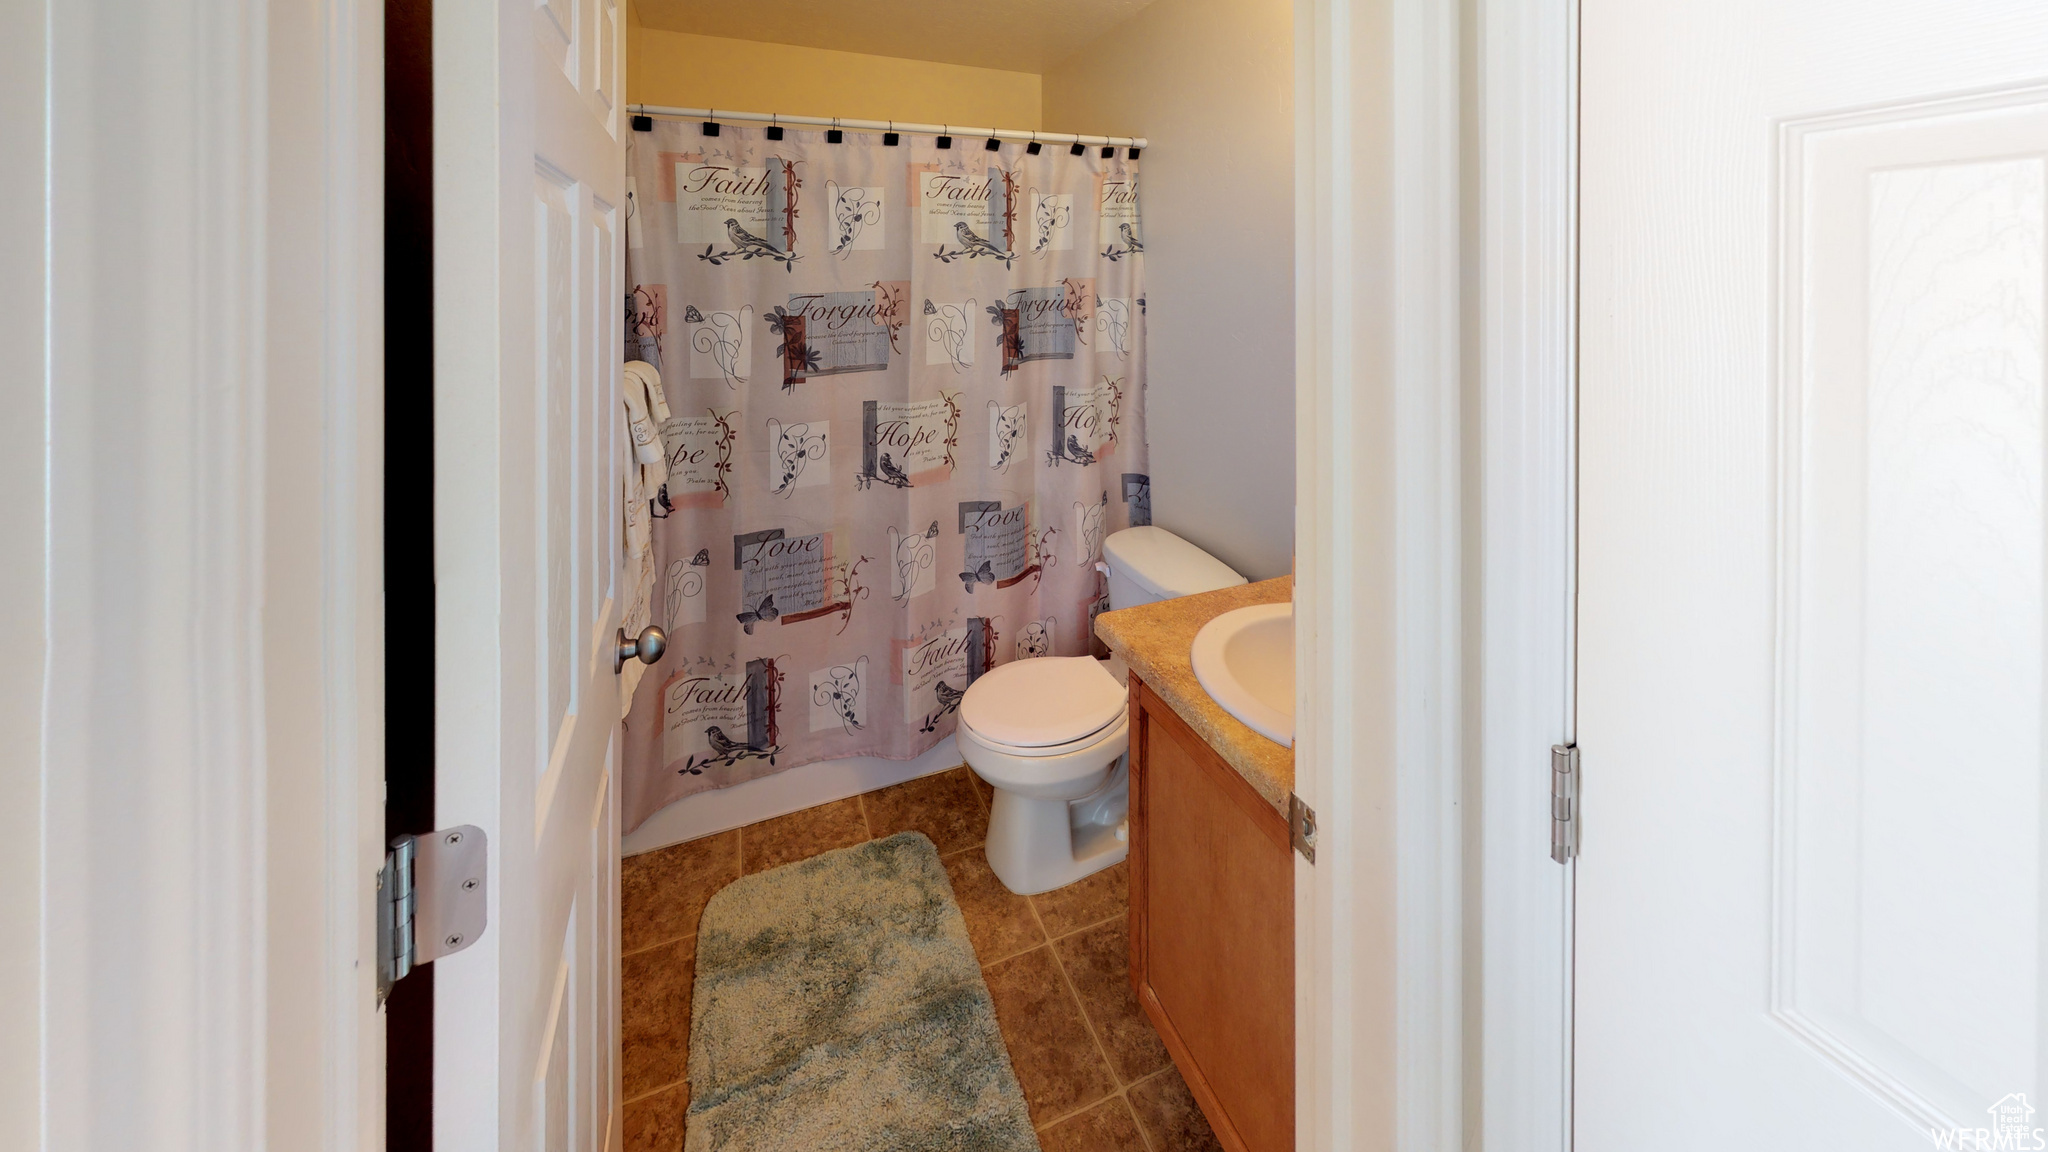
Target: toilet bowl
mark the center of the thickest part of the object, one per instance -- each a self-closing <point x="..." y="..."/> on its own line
<point x="1051" y="734"/>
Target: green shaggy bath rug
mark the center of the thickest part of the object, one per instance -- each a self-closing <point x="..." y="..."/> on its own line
<point x="839" y="1005"/>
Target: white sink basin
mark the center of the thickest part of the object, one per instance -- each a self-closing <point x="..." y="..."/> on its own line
<point x="1245" y="662"/>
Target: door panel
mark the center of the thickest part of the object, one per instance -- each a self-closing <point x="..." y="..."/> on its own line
<point x="554" y="28"/>
<point x="1912" y="580"/>
<point x="605" y="93"/>
<point x="1811" y="538"/>
<point x="555" y="257"/>
<point x="527" y="441"/>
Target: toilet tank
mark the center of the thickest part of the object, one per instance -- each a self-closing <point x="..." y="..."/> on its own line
<point x="1150" y="563"/>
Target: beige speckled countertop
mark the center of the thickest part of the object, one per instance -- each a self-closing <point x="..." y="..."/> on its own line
<point x="1154" y="640"/>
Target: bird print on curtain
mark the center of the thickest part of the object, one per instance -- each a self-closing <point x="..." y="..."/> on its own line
<point x="906" y="395"/>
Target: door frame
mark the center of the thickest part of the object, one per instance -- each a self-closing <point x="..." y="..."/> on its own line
<point x="1527" y="442"/>
<point x="1378" y="743"/>
<point x="1435" y="273"/>
<point x="192" y="655"/>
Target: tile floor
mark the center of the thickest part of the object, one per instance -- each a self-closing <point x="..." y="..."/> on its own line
<point x="1095" y="1075"/>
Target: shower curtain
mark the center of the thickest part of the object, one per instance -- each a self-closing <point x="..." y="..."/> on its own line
<point x="906" y="403"/>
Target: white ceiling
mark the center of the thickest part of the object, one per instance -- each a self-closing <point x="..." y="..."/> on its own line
<point x="1015" y="35"/>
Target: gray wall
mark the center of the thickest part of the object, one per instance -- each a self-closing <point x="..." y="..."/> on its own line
<point x="1211" y="84"/>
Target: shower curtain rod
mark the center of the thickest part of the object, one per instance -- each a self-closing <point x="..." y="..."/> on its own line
<point x="960" y="130"/>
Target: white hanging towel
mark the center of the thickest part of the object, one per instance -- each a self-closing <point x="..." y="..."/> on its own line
<point x="646" y="409"/>
<point x="650" y="380"/>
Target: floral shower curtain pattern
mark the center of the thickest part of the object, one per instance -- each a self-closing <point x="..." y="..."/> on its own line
<point x="906" y="403"/>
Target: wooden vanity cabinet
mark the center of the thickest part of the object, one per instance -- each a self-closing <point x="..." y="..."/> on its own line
<point x="1212" y="927"/>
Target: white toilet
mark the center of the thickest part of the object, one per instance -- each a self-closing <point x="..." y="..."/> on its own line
<point x="1050" y="733"/>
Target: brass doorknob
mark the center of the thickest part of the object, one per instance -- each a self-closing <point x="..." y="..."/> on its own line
<point x="648" y="648"/>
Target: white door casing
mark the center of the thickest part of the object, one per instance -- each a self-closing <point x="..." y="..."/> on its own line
<point x="1523" y="248"/>
<point x="528" y="187"/>
<point x="1811" y="536"/>
<point x="190" y="614"/>
<point x="1379" y="737"/>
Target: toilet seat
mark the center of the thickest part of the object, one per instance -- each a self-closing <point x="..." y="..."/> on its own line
<point x="1031" y="752"/>
<point x="1043" y="706"/>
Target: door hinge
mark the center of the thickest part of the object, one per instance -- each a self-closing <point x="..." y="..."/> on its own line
<point x="431" y="900"/>
<point x="1564" y="802"/>
<point x="1301" y="824"/>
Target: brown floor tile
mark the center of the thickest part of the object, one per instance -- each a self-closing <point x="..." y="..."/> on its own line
<point x="655" y="1123"/>
<point x="982" y="788"/>
<point x="662" y="893"/>
<point x="1170" y="1115"/>
<point x="1098" y="962"/>
<point x="1107" y="1127"/>
<point x="802" y="835"/>
<point x="1050" y="1048"/>
<point x="1089" y="900"/>
<point x="942" y="806"/>
<point x="654" y="1018"/>
<point x="999" y="922"/>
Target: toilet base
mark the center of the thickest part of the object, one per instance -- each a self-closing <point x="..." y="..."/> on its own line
<point x="1038" y="845"/>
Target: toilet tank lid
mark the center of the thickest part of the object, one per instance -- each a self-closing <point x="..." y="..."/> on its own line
<point x="1164" y="564"/>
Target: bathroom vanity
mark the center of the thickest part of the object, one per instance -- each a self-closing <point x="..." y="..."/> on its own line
<point x="1212" y="874"/>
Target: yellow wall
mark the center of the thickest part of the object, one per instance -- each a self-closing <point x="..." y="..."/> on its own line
<point x="682" y="70"/>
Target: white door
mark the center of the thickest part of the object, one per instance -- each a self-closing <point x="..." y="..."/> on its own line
<point x="528" y="179"/>
<point x="1810" y="892"/>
